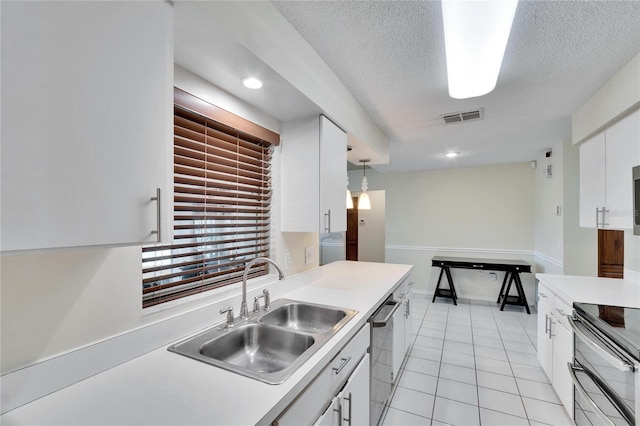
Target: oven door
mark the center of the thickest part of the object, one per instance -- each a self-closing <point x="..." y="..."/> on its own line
<point x="603" y="377"/>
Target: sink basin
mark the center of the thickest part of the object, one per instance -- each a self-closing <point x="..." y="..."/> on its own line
<point x="304" y="317"/>
<point x="268" y="346"/>
<point x="258" y="348"/>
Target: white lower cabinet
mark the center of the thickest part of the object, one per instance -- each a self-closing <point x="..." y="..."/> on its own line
<point x="398" y="349"/>
<point x="402" y="326"/>
<point x="351" y="405"/>
<point x="342" y="385"/>
<point x="555" y="344"/>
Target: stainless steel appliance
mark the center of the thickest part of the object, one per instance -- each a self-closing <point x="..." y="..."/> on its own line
<point x="606" y="365"/>
<point x="381" y="358"/>
<point x="636" y="200"/>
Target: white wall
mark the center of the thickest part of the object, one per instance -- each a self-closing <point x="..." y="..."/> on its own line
<point x="480" y="212"/>
<point x="618" y="96"/>
<point x="371" y="229"/>
<point x="549" y="209"/>
<point x="58" y="300"/>
<point x="580" y="244"/>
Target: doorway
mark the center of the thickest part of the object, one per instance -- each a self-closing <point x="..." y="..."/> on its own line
<point x="365" y="235"/>
<point x="610" y="253"/>
<point x="352" y="231"/>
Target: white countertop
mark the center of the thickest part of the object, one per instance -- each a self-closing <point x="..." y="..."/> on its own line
<point x="603" y="291"/>
<point x="161" y="387"/>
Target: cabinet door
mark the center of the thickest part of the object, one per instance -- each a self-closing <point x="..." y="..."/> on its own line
<point x="300" y="167"/>
<point x="592" y="180"/>
<point x="332" y="415"/>
<point x="87" y="97"/>
<point x="545" y="342"/>
<point x="355" y="396"/>
<point x="562" y="354"/>
<point x="622" y="153"/>
<point x="333" y="177"/>
<point x="408" y="323"/>
<point x="397" y="354"/>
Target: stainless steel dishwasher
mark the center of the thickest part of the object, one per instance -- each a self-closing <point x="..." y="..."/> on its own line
<point x="381" y="357"/>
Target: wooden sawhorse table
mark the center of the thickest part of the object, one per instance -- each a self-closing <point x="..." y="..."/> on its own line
<point x="512" y="269"/>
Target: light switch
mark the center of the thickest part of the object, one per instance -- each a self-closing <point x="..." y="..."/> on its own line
<point x="308" y="255"/>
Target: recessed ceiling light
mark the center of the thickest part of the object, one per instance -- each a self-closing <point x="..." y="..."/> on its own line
<point x="452" y="154"/>
<point x="252" y="83"/>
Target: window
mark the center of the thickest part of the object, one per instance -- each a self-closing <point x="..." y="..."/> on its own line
<point x="222" y="203"/>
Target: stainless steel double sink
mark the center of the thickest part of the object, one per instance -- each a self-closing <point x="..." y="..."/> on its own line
<point x="271" y="345"/>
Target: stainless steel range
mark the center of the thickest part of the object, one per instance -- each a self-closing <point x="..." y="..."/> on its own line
<point x="606" y="365"/>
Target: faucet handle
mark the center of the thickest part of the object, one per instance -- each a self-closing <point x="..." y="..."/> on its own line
<point x="229" y="312"/>
<point x="267" y="299"/>
<point x="256" y="304"/>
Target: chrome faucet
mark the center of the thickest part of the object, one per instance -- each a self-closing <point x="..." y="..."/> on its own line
<point x="244" y="311"/>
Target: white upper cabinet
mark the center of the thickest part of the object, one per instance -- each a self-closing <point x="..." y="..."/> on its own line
<point x="606" y="161"/>
<point x="333" y="177"/>
<point x="623" y="153"/>
<point x="87" y="112"/>
<point x="314" y="176"/>
<point x="592" y="181"/>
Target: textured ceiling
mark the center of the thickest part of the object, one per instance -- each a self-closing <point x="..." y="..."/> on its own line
<point x="390" y="55"/>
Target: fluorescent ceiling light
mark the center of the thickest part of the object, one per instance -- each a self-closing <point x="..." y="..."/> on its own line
<point x="252" y="83"/>
<point x="452" y="154"/>
<point x="475" y="36"/>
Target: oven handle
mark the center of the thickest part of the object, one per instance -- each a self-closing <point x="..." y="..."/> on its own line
<point x="618" y="363"/>
<point x="576" y="382"/>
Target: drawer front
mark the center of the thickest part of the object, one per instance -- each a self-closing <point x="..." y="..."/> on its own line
<point x="347" y="359"/>
<point x="546" y="297"/>
<point x="560" y="311"/>
<point x="313" y="400"/>
<point x="403" y="289"/>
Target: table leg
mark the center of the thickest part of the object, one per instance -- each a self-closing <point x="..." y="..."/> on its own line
<point x="521" y="294"/>
<point x="451" y="287"/>
<point x="435" y="292"/>
<point x="504" y="283"/>
<point x="506" y="293"/>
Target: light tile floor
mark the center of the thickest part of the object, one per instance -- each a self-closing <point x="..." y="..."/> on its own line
<point x="472" y="364"/>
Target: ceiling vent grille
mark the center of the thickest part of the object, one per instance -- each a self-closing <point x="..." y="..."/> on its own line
<point x="463" y="116"/>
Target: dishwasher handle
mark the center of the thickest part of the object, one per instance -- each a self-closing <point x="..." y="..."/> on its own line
<point x="383" y="322"/>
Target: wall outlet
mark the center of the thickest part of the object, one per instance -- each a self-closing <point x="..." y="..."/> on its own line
<point x="308" y="255"/>
<point x="287" y="261"/>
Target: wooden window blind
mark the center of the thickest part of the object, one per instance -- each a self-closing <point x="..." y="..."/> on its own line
<point x="222" y="204"/>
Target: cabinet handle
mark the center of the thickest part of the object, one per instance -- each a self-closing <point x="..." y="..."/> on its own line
<point x="551" y="322"/>
<point x="339" y="411"/>
<point x="408" y="311"/>
<point x="348" y="419"/>
<point x="546" y="323"/>
<point x="327" y="217"/>
<point x="345" y="361"/>
<point x="603" y="210"/>
<point x="561" y="312"/>
<point x="157" y="200"/>
<point x="544" y="296"/>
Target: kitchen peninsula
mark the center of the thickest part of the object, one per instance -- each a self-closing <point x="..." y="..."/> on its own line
<point x="161" y="387"/>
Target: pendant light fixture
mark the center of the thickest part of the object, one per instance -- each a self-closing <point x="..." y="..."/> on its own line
<point x="363" y="199"/>
<point x="349" y="197"/>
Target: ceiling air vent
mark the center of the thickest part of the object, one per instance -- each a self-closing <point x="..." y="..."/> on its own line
<point x="464" y="116"/>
